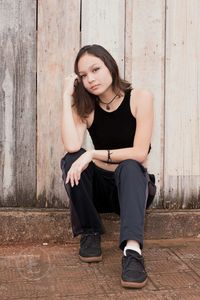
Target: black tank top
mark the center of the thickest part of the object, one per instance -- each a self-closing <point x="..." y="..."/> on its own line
<point x="113" y="130"/>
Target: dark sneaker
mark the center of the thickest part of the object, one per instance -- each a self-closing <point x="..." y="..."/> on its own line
<point x="133" y="271"/>
<point x="90" y="247"/>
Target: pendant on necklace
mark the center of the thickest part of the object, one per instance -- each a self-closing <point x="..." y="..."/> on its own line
<point x="108" y="104"/>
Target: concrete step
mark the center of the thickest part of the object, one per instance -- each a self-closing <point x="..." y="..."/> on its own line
<point x="25" y="225"/>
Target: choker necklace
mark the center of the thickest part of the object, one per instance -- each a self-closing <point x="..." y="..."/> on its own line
<point x="107" y="104"/>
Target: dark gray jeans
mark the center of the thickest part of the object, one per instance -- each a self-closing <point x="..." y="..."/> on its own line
<point x="124" y="192"/>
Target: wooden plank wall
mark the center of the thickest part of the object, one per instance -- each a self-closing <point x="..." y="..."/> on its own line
<point x="144" y="66"/>
<point x="156" y="45"/>
<point x="182" y="105"/>
<point x="58" y="43"/>
<point x="17" y="102"/>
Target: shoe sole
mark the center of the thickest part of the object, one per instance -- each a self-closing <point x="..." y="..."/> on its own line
<point x="91" y="259"/>
<point x="133" y="285"/>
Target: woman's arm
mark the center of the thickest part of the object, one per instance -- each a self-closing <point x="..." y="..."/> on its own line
<point x="72" y="127"/>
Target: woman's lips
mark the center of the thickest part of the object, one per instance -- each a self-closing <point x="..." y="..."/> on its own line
<point x="94" y="87"/>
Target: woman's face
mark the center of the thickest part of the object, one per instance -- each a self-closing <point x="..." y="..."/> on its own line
<point x="94" y="74"/>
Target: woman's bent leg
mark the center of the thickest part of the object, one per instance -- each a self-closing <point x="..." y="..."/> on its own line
<point x="84" y="216"/>
<point x="131" y="182"/>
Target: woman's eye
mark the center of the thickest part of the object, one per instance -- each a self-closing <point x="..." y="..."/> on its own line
<point x="96" y="69"/>
<point x="83" y="76"/>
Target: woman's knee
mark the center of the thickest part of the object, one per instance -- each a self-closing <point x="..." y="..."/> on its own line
<point x="129" y="168"/>
<point x="131" y="165"/>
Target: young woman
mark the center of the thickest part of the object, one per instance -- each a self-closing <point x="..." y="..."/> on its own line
<point x="111" y="177"/>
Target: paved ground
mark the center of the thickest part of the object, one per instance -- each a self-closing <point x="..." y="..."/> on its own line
<point x="54" y="272"/>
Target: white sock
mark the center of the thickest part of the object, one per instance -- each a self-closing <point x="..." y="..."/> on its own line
<point x="133" y="247"/>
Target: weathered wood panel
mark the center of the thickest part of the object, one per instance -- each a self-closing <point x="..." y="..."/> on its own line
<point x="156" y="44"/>
<point x="182" y="126"/>
<point x="144" y="67"/>
<point x="17" y="102"/>
<point x="58" y="43"/>
<point x="103" y="23"/>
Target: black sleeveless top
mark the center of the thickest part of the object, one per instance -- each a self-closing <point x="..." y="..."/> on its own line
<point x="113" y="130"/>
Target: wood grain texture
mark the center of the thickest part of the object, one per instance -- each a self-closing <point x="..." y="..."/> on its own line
<point x="17" y="103"/>
<point x="144" y="67"/>
<point x="156" y="45"/>
<point x="58" y="43"/>
<point x="182" y="107"/>
<point x="103" y="23"/>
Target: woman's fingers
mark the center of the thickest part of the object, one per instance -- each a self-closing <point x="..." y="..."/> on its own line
<point x="71" y="179"/>
<point x="67" y="178"/>
<point x="73" y="175"/>
<point x="77" y="175"/>
<point x="69" y="83"/>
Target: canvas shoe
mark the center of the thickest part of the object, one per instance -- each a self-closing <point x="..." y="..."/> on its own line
<point x="133" y="270"/>
<point x="90" y="247"/>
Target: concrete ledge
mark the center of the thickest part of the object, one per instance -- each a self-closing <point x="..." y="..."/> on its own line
<point x="27" y="225"/>
<point x="53" y="225"/>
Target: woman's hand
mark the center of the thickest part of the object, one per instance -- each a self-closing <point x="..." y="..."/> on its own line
<point x="69" y="83"/>
<point x="74" y="173"/>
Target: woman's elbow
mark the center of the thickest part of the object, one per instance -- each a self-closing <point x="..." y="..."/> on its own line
<point x="141" y="156"/>
<point x="71" y="147"/>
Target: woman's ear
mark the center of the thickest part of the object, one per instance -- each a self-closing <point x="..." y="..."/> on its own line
<point x="76" y="82"/>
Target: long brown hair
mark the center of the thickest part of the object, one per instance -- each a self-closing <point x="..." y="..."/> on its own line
<point x="84" y="101"/>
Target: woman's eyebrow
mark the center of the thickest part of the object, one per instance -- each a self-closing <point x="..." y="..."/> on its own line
<point x="89" y="68"/>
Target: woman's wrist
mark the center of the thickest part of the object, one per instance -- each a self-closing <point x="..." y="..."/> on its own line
<point x="100" y="155"/>
<point x="109" y="159"/>
<point x="67" y="101"/>
<point x="92" y="153"/>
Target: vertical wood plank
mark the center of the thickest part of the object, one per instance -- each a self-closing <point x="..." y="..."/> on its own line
<point x="17" y="103"/>
<point x="144" y="67"/>
<point x="182" y="125"/>
<point x="103" y="23"/>
<point x="58" y="43"/>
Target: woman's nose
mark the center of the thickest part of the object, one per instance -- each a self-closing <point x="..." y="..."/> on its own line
<point x="90" y="78"/>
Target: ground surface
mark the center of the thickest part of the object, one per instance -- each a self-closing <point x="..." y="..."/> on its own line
<point x="54" y="272"/>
